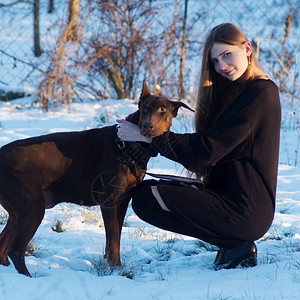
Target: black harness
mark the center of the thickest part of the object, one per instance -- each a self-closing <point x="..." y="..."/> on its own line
<point x="135" y="155"/>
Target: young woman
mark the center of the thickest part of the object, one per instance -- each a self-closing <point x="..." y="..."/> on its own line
<point x="234" y="150"/>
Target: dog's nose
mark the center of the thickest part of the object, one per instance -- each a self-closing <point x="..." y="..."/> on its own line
<point x="148" y="126"/>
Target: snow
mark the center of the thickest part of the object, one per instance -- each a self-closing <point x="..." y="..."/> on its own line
<point x="157" y="264"/>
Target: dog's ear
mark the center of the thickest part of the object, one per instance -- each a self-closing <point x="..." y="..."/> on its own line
<point x="145" y="90"/>
<point x="176" y="105"/>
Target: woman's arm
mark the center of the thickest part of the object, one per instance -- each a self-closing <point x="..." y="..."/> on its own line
<point x="207" y="149"/>
<point x="193" y="150"/>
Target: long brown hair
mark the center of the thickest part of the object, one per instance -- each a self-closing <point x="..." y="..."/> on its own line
<point x="215" y="92"/>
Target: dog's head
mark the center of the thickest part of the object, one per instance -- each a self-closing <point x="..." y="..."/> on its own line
<point x="155" y="113"/>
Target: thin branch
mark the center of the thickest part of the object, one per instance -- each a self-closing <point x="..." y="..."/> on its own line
<point x="21" y="61"/>
<point x="275" y="55"/>
<point x="14" y="3"/>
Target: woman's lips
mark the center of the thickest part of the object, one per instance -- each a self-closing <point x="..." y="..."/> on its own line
<point x="229" y="72"/>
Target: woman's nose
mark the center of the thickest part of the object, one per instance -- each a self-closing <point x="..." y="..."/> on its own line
<point x="222" y="64"/>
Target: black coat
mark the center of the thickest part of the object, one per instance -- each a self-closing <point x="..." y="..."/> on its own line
<point x="242" y="148"/>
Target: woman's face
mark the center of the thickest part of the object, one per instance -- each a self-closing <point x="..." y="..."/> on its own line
<point x="230" y="61"/>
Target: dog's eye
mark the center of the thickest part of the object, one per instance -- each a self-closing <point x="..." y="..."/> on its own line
<point x="162" y="109"/>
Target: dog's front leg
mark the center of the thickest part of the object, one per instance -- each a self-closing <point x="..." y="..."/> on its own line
<point x="112" y="231"/>
<point x="113" y="221"/>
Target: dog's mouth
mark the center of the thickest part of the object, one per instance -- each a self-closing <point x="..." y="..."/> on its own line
<point x="151" y="133"/>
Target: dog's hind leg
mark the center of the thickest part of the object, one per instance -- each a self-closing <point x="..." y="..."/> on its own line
<point x="29" y="209"/>
<point x="8" y="233"/>
<point x="27" y="226"/>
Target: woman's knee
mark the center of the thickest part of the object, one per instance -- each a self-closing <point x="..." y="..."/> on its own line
<point x="143" y="202"/>
<point x="136" y="202"/>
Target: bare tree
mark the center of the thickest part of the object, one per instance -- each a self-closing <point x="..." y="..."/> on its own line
<point x="165" y="55"/>
<point x="50" y="6"/>
<point x="286" y="57"/>
<point x="74" y="6"/>
<point x="182" y="56"/>
<point x="130" y="41"/>
<point x="65" y="67"/>
<point x="36" y="29"/>
<point x="122" y="43"/>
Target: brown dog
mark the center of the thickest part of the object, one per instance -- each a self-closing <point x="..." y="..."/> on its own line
<point x="90" y="167"/>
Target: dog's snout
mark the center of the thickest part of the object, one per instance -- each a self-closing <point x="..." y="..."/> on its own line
<point x="149" y="126"/>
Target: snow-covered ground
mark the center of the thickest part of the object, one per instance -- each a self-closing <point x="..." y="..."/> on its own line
<point x="157" y="264"/>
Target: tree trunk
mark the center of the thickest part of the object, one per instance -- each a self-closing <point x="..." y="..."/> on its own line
<point x="115" y="78"/>
<point x="183" y="58"/>
<point x="36" y="29"/>
<point x="73" y="19"/>
<point x="51" y="6"/>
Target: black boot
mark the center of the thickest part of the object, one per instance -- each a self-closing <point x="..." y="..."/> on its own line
<point x="244" y="255"/>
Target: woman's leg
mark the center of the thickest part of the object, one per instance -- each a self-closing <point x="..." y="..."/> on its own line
<point x="174" y="219"/>
<point x="149" y="205"/>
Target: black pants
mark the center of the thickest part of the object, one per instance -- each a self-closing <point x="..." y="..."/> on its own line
<point x="198" y="213"/>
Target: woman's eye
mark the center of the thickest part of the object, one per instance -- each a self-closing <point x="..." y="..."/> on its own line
<point x="214" y="61"/>
<point x="227" y="54"/>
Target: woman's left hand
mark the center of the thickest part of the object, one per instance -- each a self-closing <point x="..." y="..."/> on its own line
<point x="130" y="132"/>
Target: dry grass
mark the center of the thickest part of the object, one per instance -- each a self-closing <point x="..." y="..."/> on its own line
<point x="58" y="226"/>
<point x="3" y="216"/>
<point x="102" y="268"/>
<point x="32" y="248"/>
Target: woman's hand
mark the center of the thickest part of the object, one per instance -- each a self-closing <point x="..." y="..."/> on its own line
<point x="130" y="132"/>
